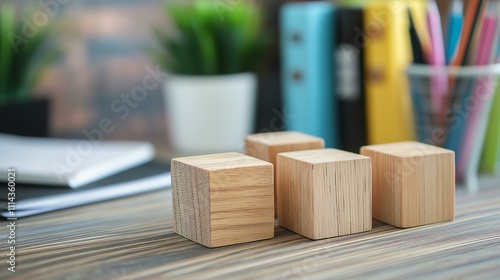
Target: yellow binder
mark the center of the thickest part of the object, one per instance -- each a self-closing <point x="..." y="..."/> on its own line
<point x="387" y="55"/>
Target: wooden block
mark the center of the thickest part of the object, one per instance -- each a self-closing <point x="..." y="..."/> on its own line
<point x="223" y="199"/>
<point x="324" y="193"/>
<point x="413" y="183"/>
<point x="266" y="146"/>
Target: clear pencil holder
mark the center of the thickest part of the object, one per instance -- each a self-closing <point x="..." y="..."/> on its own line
<point x="451" y="108"/>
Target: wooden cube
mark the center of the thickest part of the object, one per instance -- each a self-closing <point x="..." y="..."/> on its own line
<point x="223" y="199"/>
<point x="266" y="146"/>
<point x="324" y="193"/>
<point x="413" y="183"/>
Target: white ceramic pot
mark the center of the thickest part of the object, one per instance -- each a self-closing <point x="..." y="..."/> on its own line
<point x="210" y="114"/>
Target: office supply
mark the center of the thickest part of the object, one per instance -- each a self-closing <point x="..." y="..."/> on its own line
<point x="34" y="199"/>
<point x="491" y="150"/>
<point x="471" y="20"/>
<point x="308" y="75"/>
<point x="436" y="58"/>
<point x="487" y="35"/>
<point x="68" y="163"/>
<point x="477" y="80"/>
<point x="413" y="183"/>
<point x="498" y="47"/>
<point x="495" y="11"/>
<point x="266" y="146"/>
<point x="223" y="199"/>
<point x="437" y="55"/>
<point x="497" y="56"/>
<point x="475" y="129"/>
<point x="350" y="90"/>
<point x="454" y="30"/>
<point x="462" y="89"/>
<point x="422" y="109"/>
<point x="419" y="77"/>
<point x="324" y="193"/>
<point x="476" y="36"/>
<point x="418" y="10"/>
<point x="387" y="54"/>
<point x="416" y="44"/>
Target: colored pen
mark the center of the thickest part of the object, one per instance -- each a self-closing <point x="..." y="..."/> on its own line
<point x="436" y="57"/>
<point x="474" y="127"/>
<point x="455" y="23"/>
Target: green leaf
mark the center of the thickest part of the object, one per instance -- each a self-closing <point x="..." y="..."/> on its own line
<point x="6" y="50"/>
<point x="21" y="68"/>
<point x="211" y="39"/>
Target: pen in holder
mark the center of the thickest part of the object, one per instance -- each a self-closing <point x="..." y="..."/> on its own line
<point x="457" y="117"/>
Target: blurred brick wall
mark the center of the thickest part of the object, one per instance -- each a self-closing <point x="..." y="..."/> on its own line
<point x="104" y="46"/>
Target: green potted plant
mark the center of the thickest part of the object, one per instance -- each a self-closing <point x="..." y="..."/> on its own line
<point x="211" y="56"/>
<point x="24" y="52"/>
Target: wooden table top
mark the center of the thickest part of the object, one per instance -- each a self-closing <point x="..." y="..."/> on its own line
<point x="132" y="238"/>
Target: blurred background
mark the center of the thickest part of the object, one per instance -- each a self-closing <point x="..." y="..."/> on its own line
<point x="104" y="55"/>
<point x="103" y="46"/>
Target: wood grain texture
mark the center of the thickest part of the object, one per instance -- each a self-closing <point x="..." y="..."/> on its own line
<point x="266" y="146"/>
<point x="413" y="183"/>
<point x="133" y="238"/>
<point x="324" y="193"/>
<point x="223" y="199"/>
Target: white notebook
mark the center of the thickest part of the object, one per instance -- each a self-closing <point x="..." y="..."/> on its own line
<point x="68" y="163"/>
<point x="35" y="199"/>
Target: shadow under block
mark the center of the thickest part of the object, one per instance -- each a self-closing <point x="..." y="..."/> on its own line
<point x="324" y="193"/>
<point x="266" y="146"/>
<point x="413" y="183"/>
<point x="223" y="199"/>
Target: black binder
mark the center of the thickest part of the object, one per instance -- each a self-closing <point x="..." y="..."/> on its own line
<point x="350" y="90"/>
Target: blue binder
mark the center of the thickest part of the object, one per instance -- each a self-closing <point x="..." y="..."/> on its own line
<point x="307" y="46"/>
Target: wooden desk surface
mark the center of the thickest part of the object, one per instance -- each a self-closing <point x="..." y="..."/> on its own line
<point x="132" y="238"/>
